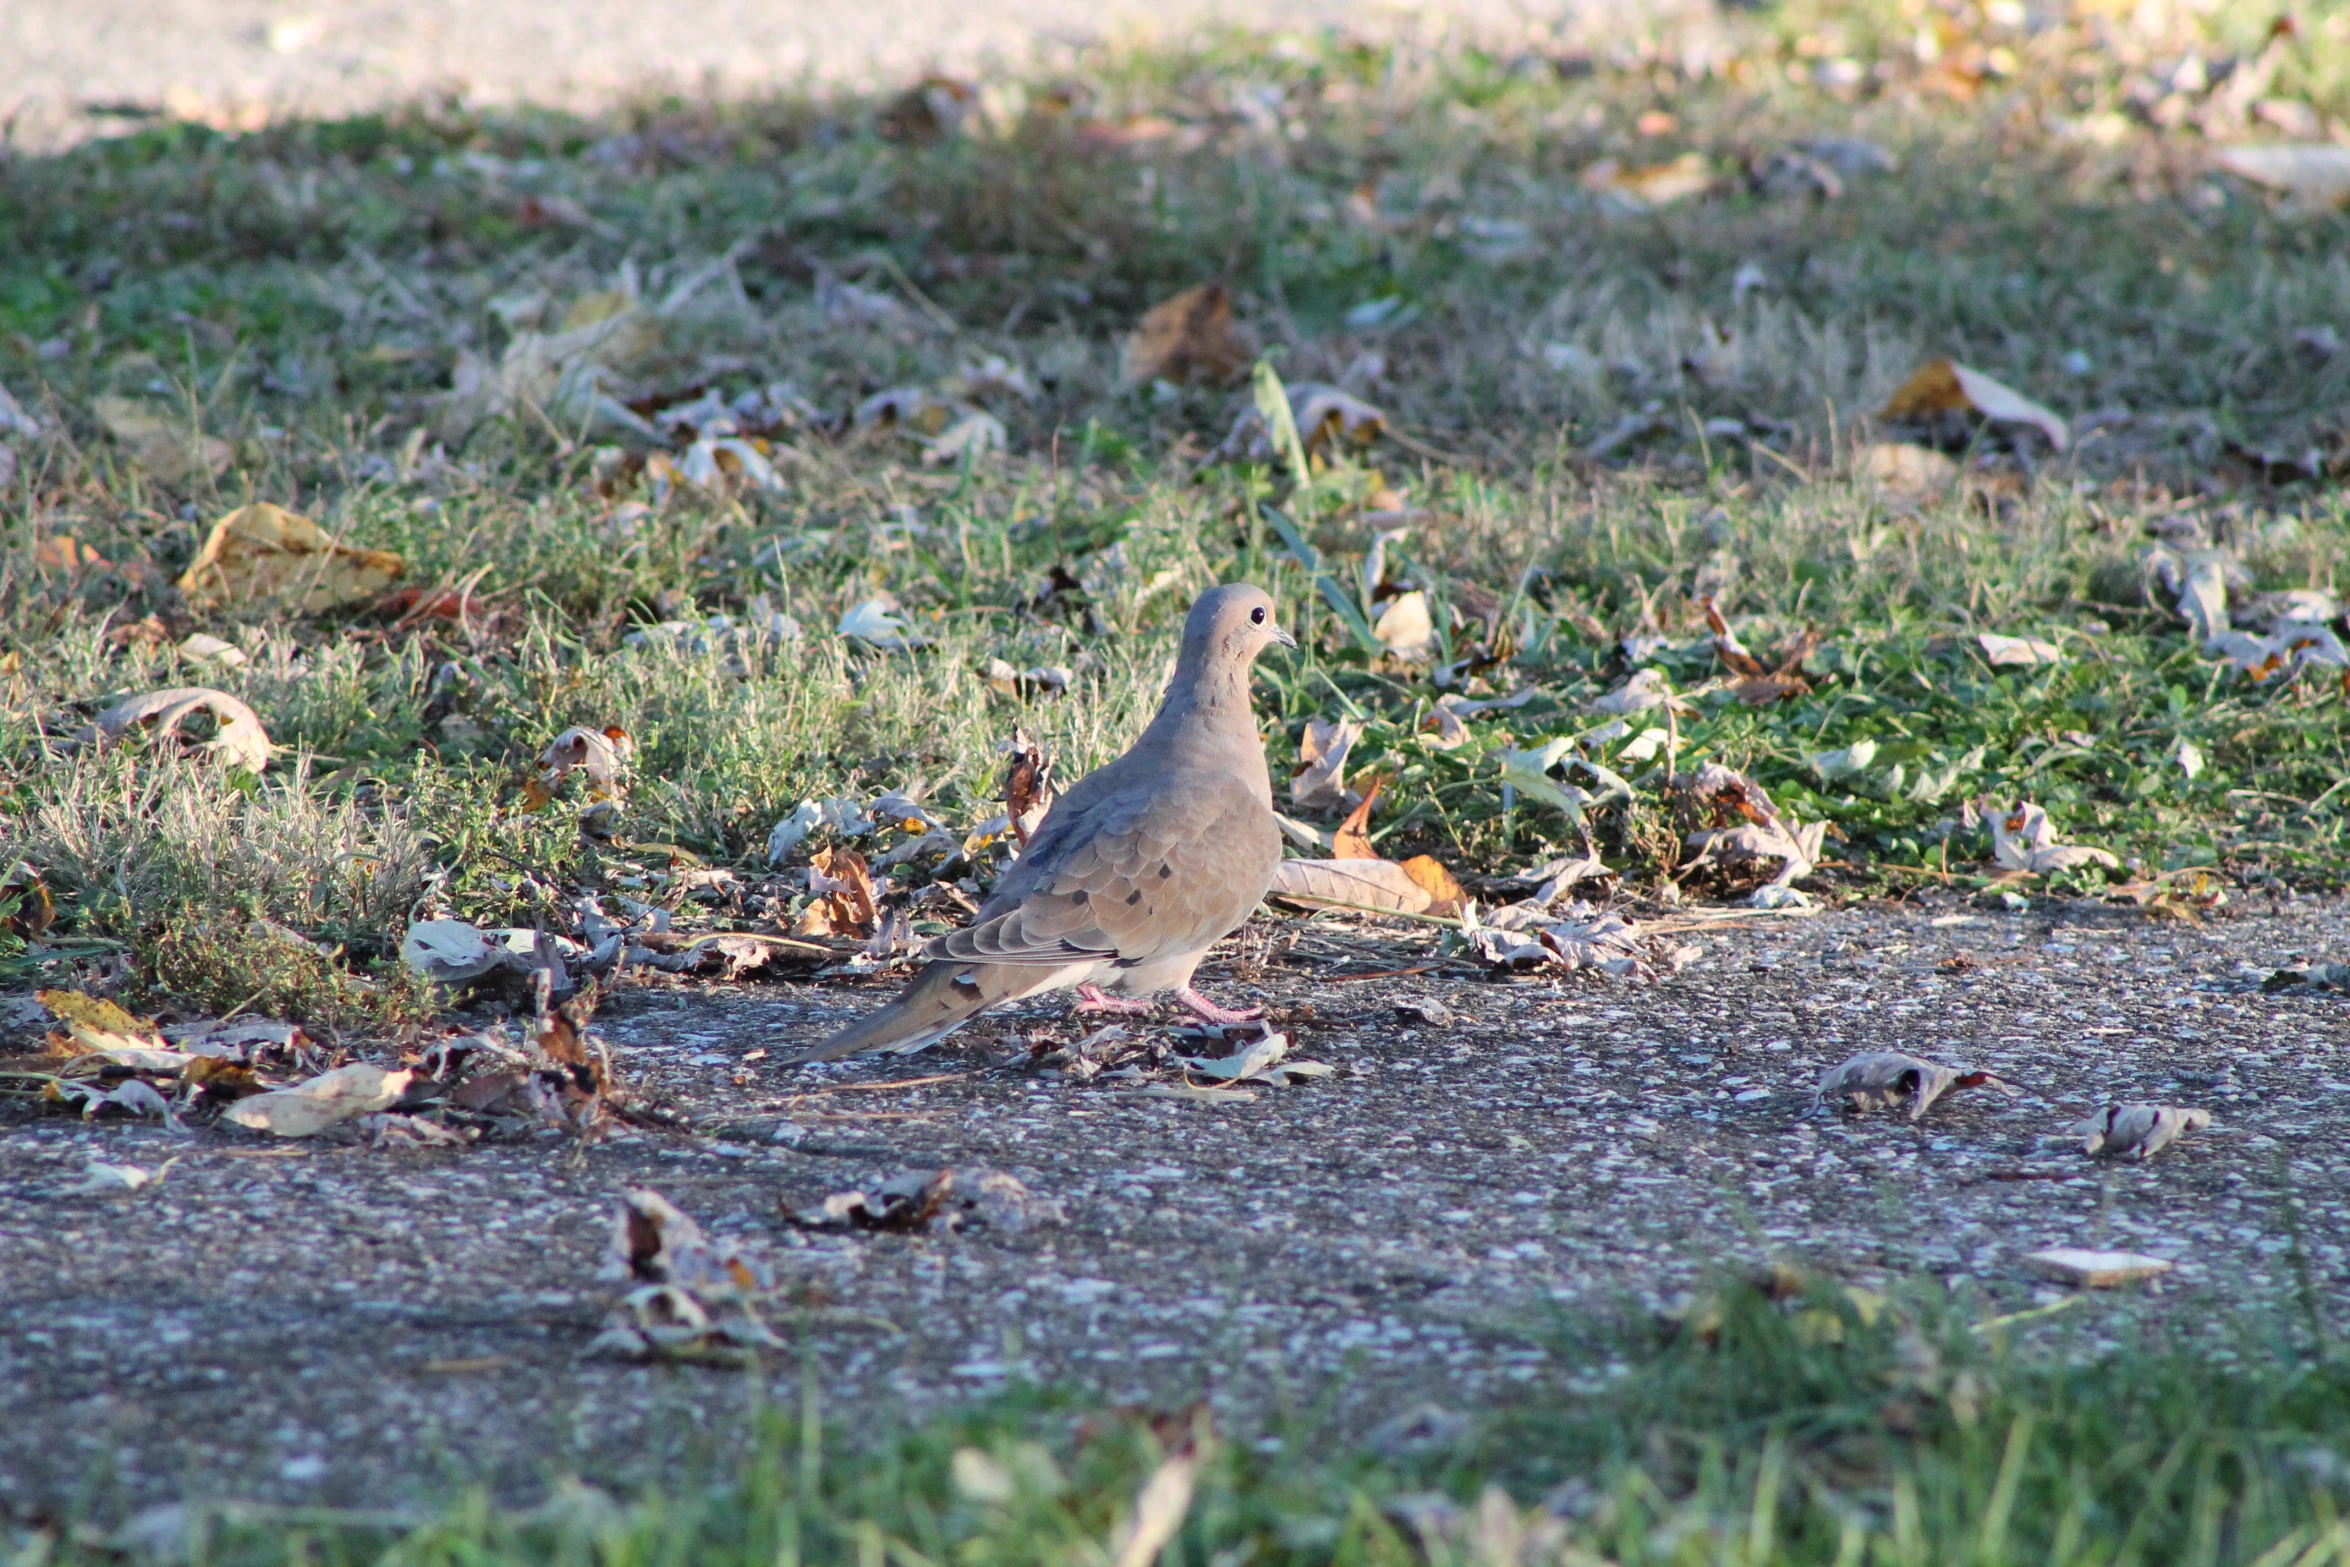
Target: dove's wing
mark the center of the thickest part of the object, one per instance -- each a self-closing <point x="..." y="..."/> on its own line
<point x="1161" y="869"/>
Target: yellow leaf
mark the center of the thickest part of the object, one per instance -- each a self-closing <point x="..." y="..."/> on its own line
<point x="1187" y="338"/>
<point x="260" y="553"/>
<point x="174" y="452"/>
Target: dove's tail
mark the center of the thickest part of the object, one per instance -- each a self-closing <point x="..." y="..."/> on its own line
<point x="942" y="998"/>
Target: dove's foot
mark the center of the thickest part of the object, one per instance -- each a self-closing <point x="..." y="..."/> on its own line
<point x="1091" y="999"/>
<point x="1207" y="1011"/>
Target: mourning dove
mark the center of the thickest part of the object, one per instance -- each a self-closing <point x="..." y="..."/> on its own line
<point x="1136" y="870"/>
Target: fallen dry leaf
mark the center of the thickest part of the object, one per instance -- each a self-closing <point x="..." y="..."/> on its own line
<point x="1528" y="936"/>
<point x="64" y="552"/>
<point x="598" y="755"/>
<point x="2023" y="839"/>
<point x="1324" y="417"/>
<point x="665" y="1320"/>
<point x="877" y="622"/>
<point x="1158" y="1511"/>
<point x="2141" y="1131"/>
<point x="1882" y="1079"/>
<point x="1653" y="184"/>
<point x="238" y="739"/>
<point x="1943" y="386"/>
<point x="167" y="447"/>
<point x="1404" y="627"/>
<point x="1645" y="689"/>
<point x="1264" y="1059"/>
<point x="1420" y="885"/>
<point x="1908" y="471"/>
<point x="843" y="900"/>
<point x="2094" y="1269"/>
<point x="653" y="1242"/>
<point x="450" y="951"/>
<point x="936" y="1202"/>
<point x="2022" y="652"/>
<point x="562" y="379"/>
<point x="1351" y="839"/>
<point x="2289" y="649"/>
<point x="1187" y="338"/>
<point x="263" y="554"/>
<point x="1320" y="784"/>
<point x="26" y="908"/>
<point x="309" y="1108"/>
<point x="1757" y="685"/>
<point x="2315" y="174"/>
<point x="1751" y="832"/>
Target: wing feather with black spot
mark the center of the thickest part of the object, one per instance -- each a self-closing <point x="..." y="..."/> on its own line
<point x="1131" y="877"/>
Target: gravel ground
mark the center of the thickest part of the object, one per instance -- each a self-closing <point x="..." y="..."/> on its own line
<point x="359" y="1325"/>
<point x="232" y="60"/>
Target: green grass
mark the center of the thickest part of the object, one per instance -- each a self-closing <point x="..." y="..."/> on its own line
<point x="306" y="293"/>
<point x="1791" y="1423"/>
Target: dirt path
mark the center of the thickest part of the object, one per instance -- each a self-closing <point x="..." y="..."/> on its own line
<point x="360" y="1325"/>
<point x="224" y="59"/>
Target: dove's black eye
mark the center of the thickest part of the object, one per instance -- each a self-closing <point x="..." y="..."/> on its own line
<point x="1256" y="617"/>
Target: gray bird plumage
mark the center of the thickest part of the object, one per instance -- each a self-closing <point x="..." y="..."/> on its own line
<point x="1135" y="871"/>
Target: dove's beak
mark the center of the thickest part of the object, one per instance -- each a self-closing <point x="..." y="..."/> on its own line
<point x="1282" y="636"/>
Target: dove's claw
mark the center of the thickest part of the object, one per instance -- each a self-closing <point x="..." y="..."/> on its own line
<point x="1207" y="1011"/>
<point x="1091" y="999"/>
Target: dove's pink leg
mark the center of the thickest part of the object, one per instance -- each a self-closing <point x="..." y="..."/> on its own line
<point x="1207" y="1011"/>
<point x="1091" y="999"/>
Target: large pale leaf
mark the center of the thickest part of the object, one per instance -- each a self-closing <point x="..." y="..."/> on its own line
<point x="310" y="1108"/>
<point x="264" y="554"/>
<point x="239" y="739"/>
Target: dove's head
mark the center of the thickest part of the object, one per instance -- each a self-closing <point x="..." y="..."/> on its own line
<point x="1231" y="625"/>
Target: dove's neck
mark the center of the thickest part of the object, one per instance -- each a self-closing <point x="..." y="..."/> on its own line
<point x="1207" y="706"/>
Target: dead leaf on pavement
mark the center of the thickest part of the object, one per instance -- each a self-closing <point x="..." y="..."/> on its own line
<point x="1526" y="936"/>
<point x="653" y="1242"/>
<point x="1943" y="386"/>
<point x="1187" y="338"/>
<point x="1884" y="1079"/>
<point x="2141" y="1131"/>
<point x="1263" y="1059"/>
<point x="937" y="1203"/>
<point x="263" y="554"/>
<point x="165" y="445"/>
<point x="238" y="739"/>
<point x="309" y="1108"/>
